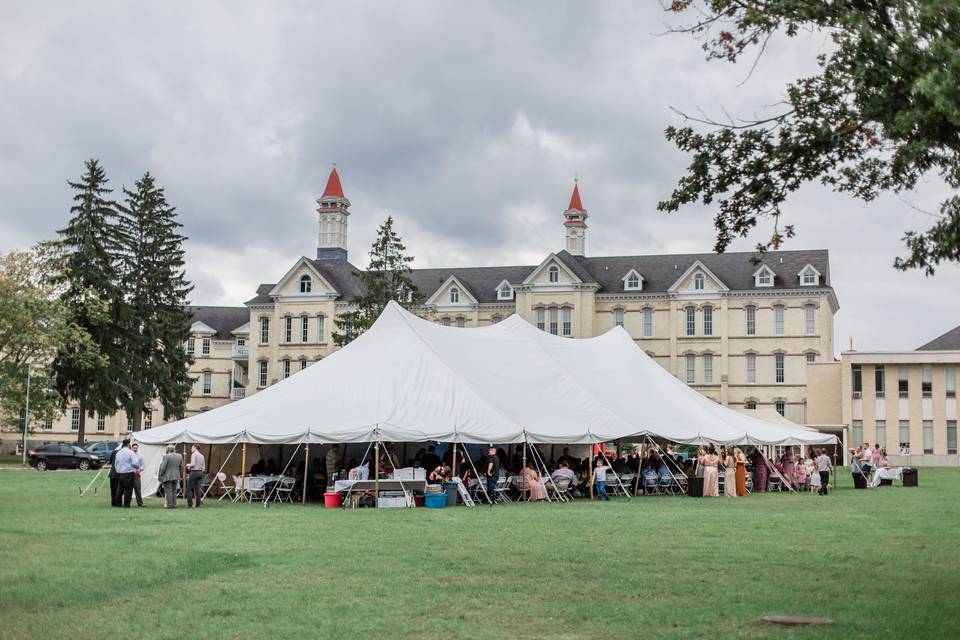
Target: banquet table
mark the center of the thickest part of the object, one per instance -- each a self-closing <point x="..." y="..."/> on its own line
<point x="385" y="485"/>
<point x="889" y="473"/>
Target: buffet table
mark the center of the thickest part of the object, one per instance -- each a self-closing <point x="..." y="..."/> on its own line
<point x="889" y="473"/>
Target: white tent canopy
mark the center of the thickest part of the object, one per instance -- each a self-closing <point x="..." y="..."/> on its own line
<point x="409" y="380"/>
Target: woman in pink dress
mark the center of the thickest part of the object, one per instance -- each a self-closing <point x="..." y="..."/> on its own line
<point x="711" y="476"/>
<point x="532" y="481"/>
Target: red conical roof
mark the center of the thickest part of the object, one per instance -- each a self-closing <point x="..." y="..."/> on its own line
<point x="575" y="199"/>
<point x="333" y="188"/>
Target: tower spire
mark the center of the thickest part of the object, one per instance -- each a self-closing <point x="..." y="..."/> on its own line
<point x="575" y="222"/>
<point x="333" y="210"/>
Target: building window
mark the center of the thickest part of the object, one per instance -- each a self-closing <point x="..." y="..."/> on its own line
<point x="903" y="382"/>
<point x="445" y="322"/>
<point x="810" y="319"/>
<point x="286" y="369"/>
<point x="856" y="375"/>
<point x="148" y="418"/>
<point x="541" y="323"/>
<point x="506" y="292"/>
<point x="811" y="356"/>
<point x="926" y="383"/>
<point x="904" y="437"/>
<point x="751" y="368"/>
<point x="950" y="380"/>
<point x="648" y="322"/>
<point x="879" y="381"/>
<point x="191" y="346"/>
<point x="633" y="282"/>
<point x="303" y="364"/>
<point x="857" y="433"/>
<point x="262" y="381"/>
<point x="288" y="329"/>
<point x="553" y="273"/>
<point x="320" y="322"/>
<point x="951" y="437"/>
<point x="928" y="437"/>
<point x="778" y="359"/>
<point x="264" y="330"/>
<point x="101" y="424"/>
<point x="809" y="276"/>
<point x="778" y="319"/>
<point x="881" y="434"/>
<point x="454" y="295"/>
<point x="553" y="320"/>
<point x="708" y="321"/>
<point x="618" y="317"/>
<point x="691" y="321"/>
<point x="205" y="348"/>
<point x="567" y="317"/>
<point x="75" y="419"/>
<point x="306" y="284"/>
<point x="764" y="278"/>
<point x="207" y="383"/>
<point x="750" y="404"/>
<point x="691" y="368"/>
<point x="751" y="320"/>
<point x="461" y="322"/>
<point x="304" y="328"/>
<point x="698" y="281"/>
<point x="780" y="406"/>
<point x="708" y="368"/>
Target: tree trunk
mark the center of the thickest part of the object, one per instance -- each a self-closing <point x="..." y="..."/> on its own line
<point x="82" y="429"/>
<point x="137" y="419"/>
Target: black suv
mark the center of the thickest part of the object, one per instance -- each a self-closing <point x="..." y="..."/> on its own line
<point x="68" y="456"/>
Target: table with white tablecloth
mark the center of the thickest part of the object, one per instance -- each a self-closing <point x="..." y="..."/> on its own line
<point x="889" y="473"/>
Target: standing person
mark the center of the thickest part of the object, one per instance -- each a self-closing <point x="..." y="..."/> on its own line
<point x="135" y="447"/>
<point x="812" y="473"/>
<point x="115" y="496"/>
<point x="759" y="471"/>
<point x="866" y="459"/>
<point x="196" y="467"/>
<point x="600" y="479"/>
<point x="824" y="467"/>
<point x="876" y="456"/>
<point x="709" y="464"/>
<point x="741" y="472"/>
<point x="171" y="468"/>
<point x="125" y="462"/>
<point x="729" y="474"/>
<point x="332" y="462"/>
<point x="492" y="474"/>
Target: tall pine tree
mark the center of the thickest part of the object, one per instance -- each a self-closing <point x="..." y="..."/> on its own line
<point x="153" y="316"/>
<point x="388" y="277"/>
<point x="86" y="275"/>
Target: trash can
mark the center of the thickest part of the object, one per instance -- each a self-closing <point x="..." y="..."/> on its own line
<point x="451" y="489"/>
<point x="909" y="477"/>
<point x="696" y="487"/>
<point x="859" y="481"/>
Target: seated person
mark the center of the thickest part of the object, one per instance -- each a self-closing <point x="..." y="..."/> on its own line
<point x="257" y="468"/>
<point x="564" y="472"/>
<point x="271" y="468"/>
<point x="620" y="466"/>
<point x="439" y="475"/>
<point x="531" y="478"/>
<point x="650" y="478"/>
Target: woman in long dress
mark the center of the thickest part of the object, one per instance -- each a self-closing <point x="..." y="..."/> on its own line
<point x="759" y="472"/>
<point x="711" y="487"/>
<point x="741" y="472"/>
<point x="812" y="473"/>
<point x="532" y="480"/>
<point x="729" y="473"/>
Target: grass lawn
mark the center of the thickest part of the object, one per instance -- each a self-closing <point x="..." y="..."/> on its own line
<point x="881" y="563"/>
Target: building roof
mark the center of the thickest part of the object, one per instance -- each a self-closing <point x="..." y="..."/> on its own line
<point x="950" y="341"/>
<point x="223" y="320"/>
<point x="333" y="188"/>
<point x="575" y="199"/>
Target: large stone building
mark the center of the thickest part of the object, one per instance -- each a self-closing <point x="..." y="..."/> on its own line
<point x="740" y="332"/>
<point x="905" y="400"/>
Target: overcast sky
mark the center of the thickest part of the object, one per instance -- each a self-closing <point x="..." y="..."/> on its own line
<point x="466" y="121"/>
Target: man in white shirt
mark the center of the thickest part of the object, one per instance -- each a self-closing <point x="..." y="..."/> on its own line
<point x="564" y="472"/>
<point x="823" y="468"/>
<point x="196" y="466"/>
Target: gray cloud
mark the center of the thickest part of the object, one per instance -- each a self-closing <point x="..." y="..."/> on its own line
<point x="466" y="121"/>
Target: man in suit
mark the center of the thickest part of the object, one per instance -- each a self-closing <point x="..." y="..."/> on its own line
<point x="114" y="480"/>
<point x="171" y="469"/>
<point x="126" y="463"/>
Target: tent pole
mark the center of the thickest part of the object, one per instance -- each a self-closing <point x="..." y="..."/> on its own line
<point x="523" y="471"/>
<point x="636" y="477"/>
<point x="453" y="460"/>
<point x="243" y="470"/>
<point x="592" y="450"/>
<point x="482" y="480"/>
<point x="306" y="468"/>
<point x="376" y="473"/>
<point x="666" y="460"/>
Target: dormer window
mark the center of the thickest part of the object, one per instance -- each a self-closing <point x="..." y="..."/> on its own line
<point x="454" y="295"/>
<point x="763" y="277"/>
<point x="553" y="273"/>
<point x="505" y="292"/>
<point x="809" y="277"/>
<point x="698" y="281"/>
<point x="306" y="284"/>
<point x="632" y="281"/>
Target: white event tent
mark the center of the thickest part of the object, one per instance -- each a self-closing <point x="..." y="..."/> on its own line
<point x="411" y="380"/>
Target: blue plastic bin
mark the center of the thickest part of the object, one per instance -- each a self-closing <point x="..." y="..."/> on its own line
<point x="435" y="500"/>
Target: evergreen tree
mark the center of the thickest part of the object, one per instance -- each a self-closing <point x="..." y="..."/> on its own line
<point x="86" y="275"/>
<point x="388" y="277"/>
<point x="153" y="318"/>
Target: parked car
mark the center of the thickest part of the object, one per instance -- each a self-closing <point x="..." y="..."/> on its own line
<point x="62" y="456"/>
<point x="102" y="449"/>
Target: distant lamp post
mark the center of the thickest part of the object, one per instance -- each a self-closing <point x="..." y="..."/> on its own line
<point x="26" y="418"/>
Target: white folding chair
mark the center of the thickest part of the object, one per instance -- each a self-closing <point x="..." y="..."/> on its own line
<point x="227" y="489"/>
<point x="284" y="489"/>
<point x="502" y="488"/>
<point x="254" y="488"/>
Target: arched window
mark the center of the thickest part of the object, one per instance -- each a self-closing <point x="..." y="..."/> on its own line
<point x="306" y="284"/>
<point x="698" y="281"/>
<point x="454" y="295"/>
<point x="553" y="273"/>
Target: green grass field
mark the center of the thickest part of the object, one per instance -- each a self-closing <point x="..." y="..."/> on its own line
<point x="881" y="563"/>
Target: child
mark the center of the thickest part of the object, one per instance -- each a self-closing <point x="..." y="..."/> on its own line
<point x="600" y="478"/>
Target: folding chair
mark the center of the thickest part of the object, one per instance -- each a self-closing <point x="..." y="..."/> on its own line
<point x="559" y="488"/>
<point x="227" y="489"/>
<point x="502" y="488"/>
<point x="774" y="484"/>
<point x="254" y="488"/>
<point x="651" y="483"/>
<point x="627" y="481"/>
<point x="665" y="486"/>
<point x="284" y="489"/>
